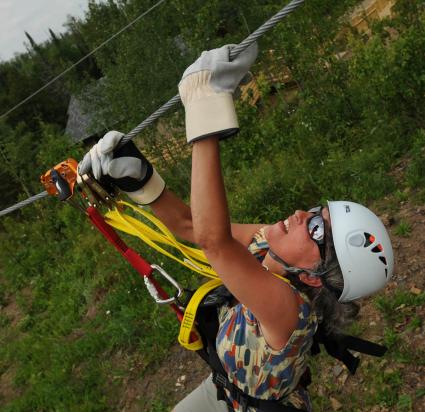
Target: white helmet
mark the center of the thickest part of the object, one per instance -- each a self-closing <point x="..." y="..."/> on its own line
<point x="363" y="249"/>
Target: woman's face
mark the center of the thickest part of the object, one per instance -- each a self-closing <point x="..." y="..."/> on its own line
<point x="291" y="241"/>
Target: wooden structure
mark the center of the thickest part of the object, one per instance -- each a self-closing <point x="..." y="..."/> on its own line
<point x="370" y="10"/>
<point x="250" y="92"/>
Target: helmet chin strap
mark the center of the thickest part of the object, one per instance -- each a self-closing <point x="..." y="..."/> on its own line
<point x="297" y="271"/>
<point x="293" y="269"/>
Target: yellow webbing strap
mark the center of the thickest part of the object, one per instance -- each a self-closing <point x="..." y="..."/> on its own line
<point x="188" y="323"/>
<point x="195" y="260"/>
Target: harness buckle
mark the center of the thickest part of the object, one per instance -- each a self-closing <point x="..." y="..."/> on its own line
<point x="154" y="292"/>
<point x="220" y="379"/>
<point x="241" y="398"/>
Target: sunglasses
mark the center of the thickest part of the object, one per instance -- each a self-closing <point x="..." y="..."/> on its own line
<point x="316" y="229"/>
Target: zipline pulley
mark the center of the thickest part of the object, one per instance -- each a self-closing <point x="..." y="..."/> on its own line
<point x="60" y="181"/>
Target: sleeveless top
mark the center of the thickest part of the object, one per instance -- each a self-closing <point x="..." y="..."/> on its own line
<point x="250" y="363"/>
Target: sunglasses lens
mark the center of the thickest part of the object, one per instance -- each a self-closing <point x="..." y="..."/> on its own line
<point x="316" y="228"/>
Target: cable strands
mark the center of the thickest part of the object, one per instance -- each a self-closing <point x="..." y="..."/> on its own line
<point x="129" y="136"/>
<point x="234" y="52"/>
<point x="23" y="203"/>
<point x="163" y="109"/>
<point x="265" y="27"/>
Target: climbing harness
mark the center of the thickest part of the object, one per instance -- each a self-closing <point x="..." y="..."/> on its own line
<point x="198" y="316"/>
<point x="208" y="325"/>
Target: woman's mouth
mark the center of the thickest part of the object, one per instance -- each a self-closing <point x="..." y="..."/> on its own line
<point x="285" y="225"/>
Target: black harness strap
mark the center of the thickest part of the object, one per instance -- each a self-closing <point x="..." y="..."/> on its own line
<point x="247" y="401"/>
<point x="338" y="345"/>
<point x="207" y="325"/>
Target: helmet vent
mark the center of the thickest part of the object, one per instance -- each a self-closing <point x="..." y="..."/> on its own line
<point x="369" y="239"/>
<point x="383" y="260"/>
<point x="377" y="249"/>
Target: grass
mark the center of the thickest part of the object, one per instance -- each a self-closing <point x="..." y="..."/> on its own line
<point x="4" y="321"/>
<point x="385" y="381"/>
<point x="75" y="314"/>
<point x="404" y="403"/>
<point x="401" y="303"/>
<point x="403" y="229"/>
<point x="420" y="393"/>
<point x="158" y="406"/>
<point x="415" y="323"/>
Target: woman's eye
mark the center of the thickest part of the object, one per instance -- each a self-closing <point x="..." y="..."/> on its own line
<point x="314" y="230"/>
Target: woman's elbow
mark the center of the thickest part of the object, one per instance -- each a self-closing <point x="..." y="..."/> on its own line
<point x="210" y="242"/>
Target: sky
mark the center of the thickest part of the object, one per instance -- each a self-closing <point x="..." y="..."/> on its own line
<point x="35" y="17"/>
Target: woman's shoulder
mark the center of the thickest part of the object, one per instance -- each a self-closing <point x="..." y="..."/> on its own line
<point x="300" y="329"/>
<point x="238" y="318"/>
<point x="307" y="317"/>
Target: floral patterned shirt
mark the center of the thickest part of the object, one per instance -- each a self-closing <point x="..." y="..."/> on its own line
<point x="251" y="364"/>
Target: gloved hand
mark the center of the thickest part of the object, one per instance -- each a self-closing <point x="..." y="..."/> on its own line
<point x="126" y="167"/>
<point x="206" y="91"/>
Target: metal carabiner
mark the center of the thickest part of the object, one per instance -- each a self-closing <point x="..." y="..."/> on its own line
<point x="94" y="192"/>
<point x="153" y="291"/>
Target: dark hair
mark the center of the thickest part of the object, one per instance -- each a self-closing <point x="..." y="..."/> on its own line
<point x="334" y="316"/>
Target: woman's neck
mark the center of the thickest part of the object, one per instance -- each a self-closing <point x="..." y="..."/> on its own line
<point x="272" y="265"/>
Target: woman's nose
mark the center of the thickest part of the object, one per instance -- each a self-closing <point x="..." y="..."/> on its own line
<point x="301" y="215"/>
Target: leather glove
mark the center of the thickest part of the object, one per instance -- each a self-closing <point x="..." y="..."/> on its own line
<point x="206" y="90"/>
<point x="125" y="167"/>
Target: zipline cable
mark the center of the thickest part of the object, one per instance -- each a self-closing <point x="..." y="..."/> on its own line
<point x="253" y="37"/>
<point x="23" y="203"/>
<point x="158" y="113"/>
<point x="104" y="43"/>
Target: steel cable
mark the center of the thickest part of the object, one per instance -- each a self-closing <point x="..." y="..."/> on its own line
<point x="23" y="203"/>
<point x="172" y="102"/>
<point x="253" y="37"/>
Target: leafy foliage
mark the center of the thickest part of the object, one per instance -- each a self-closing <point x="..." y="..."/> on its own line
<point x="335" y="131"/>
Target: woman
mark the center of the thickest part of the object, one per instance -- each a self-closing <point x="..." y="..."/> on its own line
<point x="331" y="255"/>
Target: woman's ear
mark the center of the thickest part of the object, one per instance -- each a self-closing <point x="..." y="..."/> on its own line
<point x="310" y="280"/>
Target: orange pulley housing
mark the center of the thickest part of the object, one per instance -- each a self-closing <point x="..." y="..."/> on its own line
<point x="60" y="181"/>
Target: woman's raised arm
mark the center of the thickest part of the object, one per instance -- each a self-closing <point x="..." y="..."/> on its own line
<point x="270" y="299"/>
<point x="177" y="216"/>
<point x="127" y="168"/>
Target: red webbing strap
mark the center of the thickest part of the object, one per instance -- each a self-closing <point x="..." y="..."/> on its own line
<point x="142" y="267"/>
